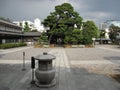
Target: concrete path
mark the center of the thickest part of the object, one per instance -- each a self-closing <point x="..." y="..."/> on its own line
<point x="91" y="68"/>
<point x="74" y="70"/>
<point x="64" y="77"/>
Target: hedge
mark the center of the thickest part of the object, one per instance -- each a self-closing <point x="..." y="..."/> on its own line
<point x="12" y="45"/>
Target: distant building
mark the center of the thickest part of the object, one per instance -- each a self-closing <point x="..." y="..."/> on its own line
<point x="31" y="37"/>
<point x="22" y="24"/>
<point x="105" y="27"/>
<point x="36" y="25"/>
<point x="102" y="26"/>
<point x="12" y="33"/>
<point x="9" y="32"/>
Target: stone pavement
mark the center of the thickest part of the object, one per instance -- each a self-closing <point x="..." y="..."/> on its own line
<point x="76" y="69"/>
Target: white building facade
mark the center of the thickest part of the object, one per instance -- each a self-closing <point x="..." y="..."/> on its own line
<point x="105" y="26"/>
<point x="36" y="25"/>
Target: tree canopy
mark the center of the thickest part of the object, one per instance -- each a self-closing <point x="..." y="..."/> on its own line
<point x="26" y="27"/>
<point x="89" y="31"/>
<point x="114" y="30"/>
<point x="65" y="24"/>
<point x="62" y="21"/>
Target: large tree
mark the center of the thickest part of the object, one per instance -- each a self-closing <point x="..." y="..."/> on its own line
<point x="89" y="31"/>
<point x="114" y="30"/>
<point x="61" y="22"/>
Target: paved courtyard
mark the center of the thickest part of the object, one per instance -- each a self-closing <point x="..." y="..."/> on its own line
<point x="76" y="68"/>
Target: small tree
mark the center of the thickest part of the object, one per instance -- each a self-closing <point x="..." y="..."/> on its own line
<point x="43" y="38"/>
<point x="26" y="27"/>
<point x="67" y="39"/>
<point x="87" y="40"/>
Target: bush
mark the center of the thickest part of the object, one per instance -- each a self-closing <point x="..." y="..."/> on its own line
<point x="12" y="45"/>
<point x="74" y="41"/>
<point x="67" y="40"/>
<point x="87" y="40"/>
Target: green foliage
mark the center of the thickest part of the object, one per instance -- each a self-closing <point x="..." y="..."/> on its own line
<point x="89" y="31"/>
<point x="102" y="34"/>
<point x="12" y="45"/>
<point x="43" y="38"/>
<point x="87" y="40"/>
<point x="67" y="39"/>
<point x="77" y="35"/>
<point x="62" y="21"/>
<point x="90" y="28"/>
<point x="114" y="30"/>
<point x="73" y="40"/>
<point x="74" y="37"/>
<point x="26" y="27"/>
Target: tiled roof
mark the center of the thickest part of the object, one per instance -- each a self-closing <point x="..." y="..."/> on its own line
<point x="32" y="34"/>
<point x="9" y="23"/>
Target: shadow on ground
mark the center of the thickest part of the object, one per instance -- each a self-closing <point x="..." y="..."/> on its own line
<point x="85" y="79"/>
<point x="10" y="75"/>
<point x="13" y="78"/>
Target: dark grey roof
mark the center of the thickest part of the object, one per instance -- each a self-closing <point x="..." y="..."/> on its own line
<point x="10" y="33"/>
<point x="9" y="23"/>
<point x="32" y="34"/>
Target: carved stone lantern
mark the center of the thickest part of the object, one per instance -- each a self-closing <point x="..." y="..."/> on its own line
<point x="45" y="73"/>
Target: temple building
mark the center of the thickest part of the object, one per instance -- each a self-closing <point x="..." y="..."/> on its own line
<point x="12" y="33"/>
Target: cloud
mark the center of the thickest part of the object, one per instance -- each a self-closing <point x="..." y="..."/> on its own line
<point x="98" y="14"/>
<point x="97" y="10"/>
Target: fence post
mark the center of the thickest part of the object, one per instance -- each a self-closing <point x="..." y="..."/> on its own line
<point x="23" y="69"/>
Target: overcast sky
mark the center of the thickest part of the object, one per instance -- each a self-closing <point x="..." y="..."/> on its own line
<point x="96" y="10"/>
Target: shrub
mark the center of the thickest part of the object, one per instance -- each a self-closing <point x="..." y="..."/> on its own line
<point x="67" y="40"/>
<point x="87" y="40"/>
<point x="43" y="39"/>
<point x="12" y="45"/>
